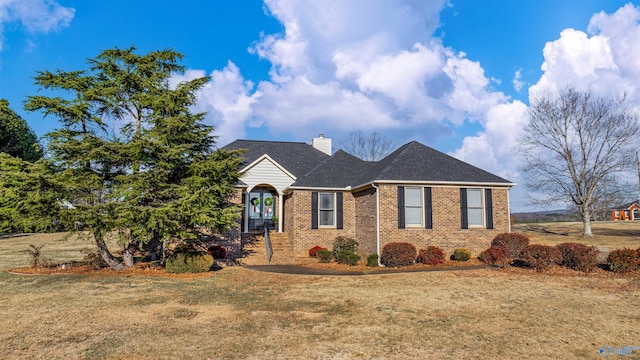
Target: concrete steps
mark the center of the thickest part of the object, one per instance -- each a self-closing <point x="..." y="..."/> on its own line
<point x="255" y="249"/>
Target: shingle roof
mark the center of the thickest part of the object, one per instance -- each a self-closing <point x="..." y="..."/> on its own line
<point x="417" y="162"/>
<point x="339" y="171"/>
<point x="411" y="162"/>
<point x="297" y="157"/>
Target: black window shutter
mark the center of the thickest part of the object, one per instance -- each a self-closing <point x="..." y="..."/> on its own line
<point x="488" y="203"/>
<point x="401" y="207"/>
<point x="428" y="217"/>
<point x="339" y="210"/>
<point x="314" y="210"/>
<point x="463" y="208"/>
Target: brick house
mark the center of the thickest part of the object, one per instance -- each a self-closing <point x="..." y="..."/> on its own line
<point x="415" y="194"/>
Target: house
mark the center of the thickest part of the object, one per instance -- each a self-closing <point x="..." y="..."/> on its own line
<point x="630" y="211"/>
<point x="416" y="194"/>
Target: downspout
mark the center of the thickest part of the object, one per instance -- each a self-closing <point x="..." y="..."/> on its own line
<point x="377" y="222"/>
<point x="509" y="209"/>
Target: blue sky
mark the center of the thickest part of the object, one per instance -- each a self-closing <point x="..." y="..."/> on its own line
<point x="456" y="75"/>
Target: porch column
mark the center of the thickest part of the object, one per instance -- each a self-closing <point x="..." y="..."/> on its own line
<point x="280" y="202"/>
<point x="245" y="226"/>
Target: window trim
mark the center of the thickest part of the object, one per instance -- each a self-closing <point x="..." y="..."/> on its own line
<point x="481" y="207"/>
<point x="421" y="207"/>
<point x="320" y="210"/>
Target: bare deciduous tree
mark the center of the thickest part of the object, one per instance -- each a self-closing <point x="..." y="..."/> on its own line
<point x="575" y="147"/>
<point x="372" y="147"/>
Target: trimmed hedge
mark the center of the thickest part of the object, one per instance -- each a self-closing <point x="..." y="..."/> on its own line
<point x="494" y="256"/>
<point x="623" y="260"/>
<point x="324" y="256"/>
<point x="461" y="254"/>
<point x="314" y="250"/>
<point x="432" y="255"/>
<point x="347" y="257"/>
<point x="372" y="260"/>
<point x="187" y="262"/>
<point x="578" y="256"/>
<point x="541" y="257"/>
<point x="396" y="254"/>
<point x="341" y="243"/>
<point x="512" y="243"/>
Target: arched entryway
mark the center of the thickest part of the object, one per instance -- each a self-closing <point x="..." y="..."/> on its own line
<point x="262" y="204"/>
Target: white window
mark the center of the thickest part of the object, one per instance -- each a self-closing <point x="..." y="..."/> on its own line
<point x="475" y="208"/>
<point x="413" y="206"/>
<point x="327" y="210"/>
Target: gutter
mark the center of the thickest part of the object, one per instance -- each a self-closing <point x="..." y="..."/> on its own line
<point x="377" y="222"/>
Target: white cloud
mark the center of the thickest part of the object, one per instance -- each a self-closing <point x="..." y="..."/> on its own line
<point x="341" y="66"/>
<point x="225" y="99"/>
<point x="518" y="83"/>
<point x="35" y="16"/>
<point x="603" y="61"/>
<point x="493" y="148"/>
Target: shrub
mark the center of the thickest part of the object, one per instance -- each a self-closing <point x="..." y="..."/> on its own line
<point x="324" y="256"/>
<point x="313" y="251"/>
<point x="623" y="260"/>
<point x="494" y="256"/>
<point x="397" y="254"/>
<point x="461" y="254"/>
<point x="35" y="253"/>
<point x="347" y="257"/>
<point x="217" y="251"/>
<point x="578" y="256"/>
<point x="512" y="243"/>
<point x="344" y="243"/>
<point x="541" y="257"/>
<point x="372" y="260"/>
<point x="432" y="255"/>
<point x="189" y="262"/>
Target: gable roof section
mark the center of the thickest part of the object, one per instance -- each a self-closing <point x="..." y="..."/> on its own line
<point x="339" y="171"/>
<point x="412" y="162"/>
<point x="417" y="162"/>
<point x="297" y="158"/>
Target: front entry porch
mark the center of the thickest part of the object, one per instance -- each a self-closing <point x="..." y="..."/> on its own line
<point x="262" y="206"/>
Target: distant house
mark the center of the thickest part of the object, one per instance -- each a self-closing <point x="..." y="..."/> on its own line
<point x="415" y="194"/>
<point x="630" y="211"/>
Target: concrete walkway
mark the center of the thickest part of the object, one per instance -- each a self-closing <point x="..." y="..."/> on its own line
<point x="303" y="270"/>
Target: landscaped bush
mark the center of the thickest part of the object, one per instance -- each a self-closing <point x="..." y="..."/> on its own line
<point x="461" y="254"/>
<point x="217" y="251"/>
<point x="372" y="260"/>
<point x="397" y="254"/>
<point x="623" y="260"/>
<point x="578" y="256"/>
<point x="432" y="255"/>
<point x="494" y="256"/>
<point x="189" y="262"/>
<point x="314" y="250"/>
<point x="324" y="256"/>
<point x="347" y="257"/>
<point x="511" y="243"/>
<point x="344" y="243"/>
<point x="541" y="257"/>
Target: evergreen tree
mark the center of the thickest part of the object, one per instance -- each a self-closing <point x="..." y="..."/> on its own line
<point x="16" y="138"/>
<point x="158" y="177"/>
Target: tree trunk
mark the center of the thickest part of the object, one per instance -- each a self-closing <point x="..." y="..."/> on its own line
<point x="586" y="221"/>
<point x="127" y="255"/>
<point x="104" y="252"/>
